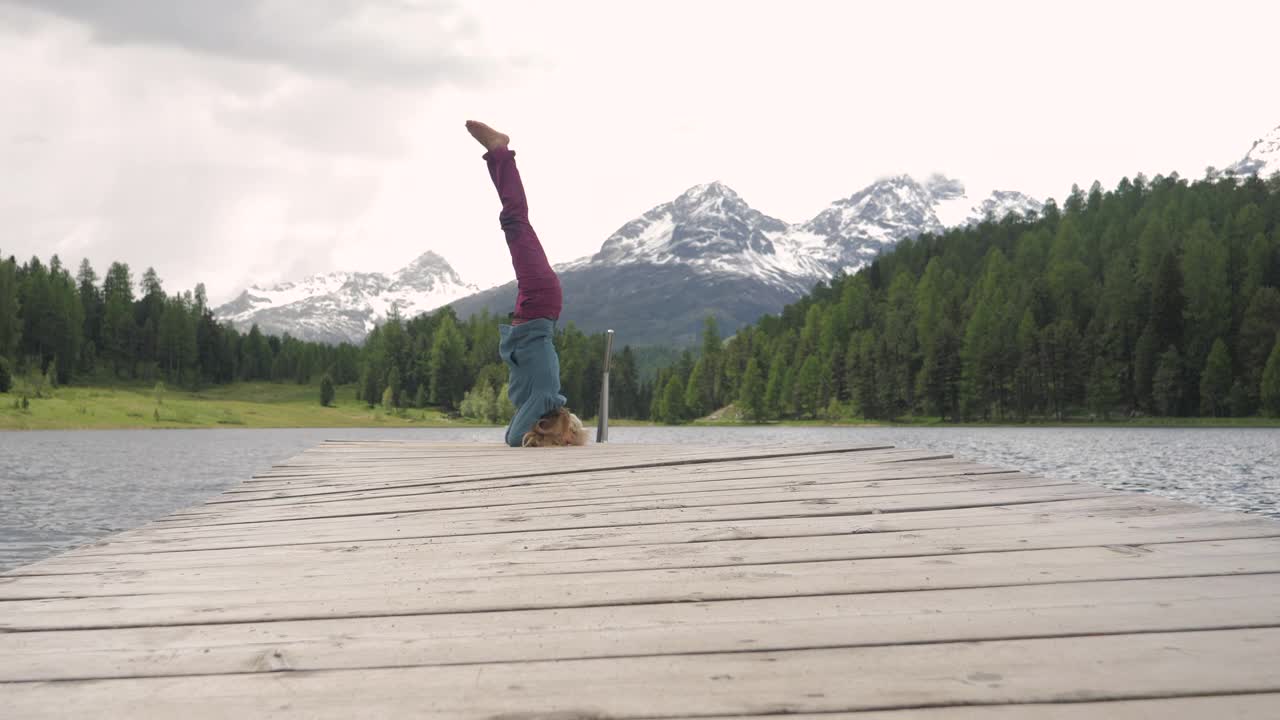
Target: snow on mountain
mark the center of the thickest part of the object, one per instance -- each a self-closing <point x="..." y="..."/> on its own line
<point x="1002" y="203"/>
<point x="1263" y="159"/>
<point x="345" y="306"/>
<point x="853" y="230"/>
<point x="707" y="251"/>
<point x="711" y="230"/>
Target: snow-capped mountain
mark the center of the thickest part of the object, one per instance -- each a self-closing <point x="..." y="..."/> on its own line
<point x="711" y="230"/>
<point x="707" y="251"/>
<point x="853" y="230"/>
<point x="1263" y="159"/>
<point x="345" y="306"/>
<point x="1002" y="203"/>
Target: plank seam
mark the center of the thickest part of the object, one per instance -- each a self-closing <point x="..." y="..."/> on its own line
<point x="855" y="558"/>
<point x="727" y="598"/>
<point x="404" y="512"/>
<point x="514" y="531"/>
<point x="736" y="651"/>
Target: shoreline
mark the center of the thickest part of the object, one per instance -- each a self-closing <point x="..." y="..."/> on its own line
<point x="263" y="405"/>
<point x="399" y="423"/>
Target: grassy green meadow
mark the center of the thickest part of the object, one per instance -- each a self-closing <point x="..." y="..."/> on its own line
<point x="250" y="405"/>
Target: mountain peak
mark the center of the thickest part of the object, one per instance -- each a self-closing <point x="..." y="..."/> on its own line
<point x="1263" y="158"/>
<point x="708" y="226"/>
<point x="344" y="306"/>
<point x="709" y="196"/>
<point x="715" y="188"/>
<point x="429" y="257"/>
<point x="428" y="264"/>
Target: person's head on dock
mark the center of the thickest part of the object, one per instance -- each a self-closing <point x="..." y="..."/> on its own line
<point x="557" y="428"/>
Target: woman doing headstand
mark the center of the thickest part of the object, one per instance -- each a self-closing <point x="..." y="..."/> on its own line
<point x="526" y="346"/>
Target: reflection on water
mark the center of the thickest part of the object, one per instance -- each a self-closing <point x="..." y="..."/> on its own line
<point x="60" y="489"/>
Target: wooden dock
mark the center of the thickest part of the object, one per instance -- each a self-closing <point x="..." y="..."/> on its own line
<point x="408" y="580"/>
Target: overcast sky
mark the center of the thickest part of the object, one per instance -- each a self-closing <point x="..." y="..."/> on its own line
<point x="244" y="141"/>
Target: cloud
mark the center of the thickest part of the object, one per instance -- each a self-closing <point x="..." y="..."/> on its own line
<point x="419" y="44"/>
<point x="241" y="141"/>
<point x="219" y="154"/>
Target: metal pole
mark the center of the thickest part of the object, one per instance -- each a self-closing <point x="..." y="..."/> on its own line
<point x="602" y="427"/>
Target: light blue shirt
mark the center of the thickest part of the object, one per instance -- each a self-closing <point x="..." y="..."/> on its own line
<point x="534" y="367"/>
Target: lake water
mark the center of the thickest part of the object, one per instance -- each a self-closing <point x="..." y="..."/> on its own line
<point x="61" y="489"/>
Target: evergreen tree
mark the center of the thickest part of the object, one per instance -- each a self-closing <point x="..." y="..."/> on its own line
<point x="773" y="387"/>
<point x="10" y="320"/>
<point x="447" y="382"/>
<point x="256" y="357"/>
<point x="1027" y="388"/>
<point x="1060" y="366"/>
<point x="1166" y="386"/>
<point x="92" y="306"/>
<point x="395" y="386"/>
<point x="1258" y="328"/>
<point x="177" y="343"/>
<point x="118" y="329"/>
<point x="51" y="318"/>
<point x="806" y="393"/>
<point x="989" y="340"/>
<point x="1207" y="290"/>
<point x="863" y="377"/>
<point x="1103" y="387"/>
<point x="672" y="408"/>
<point x="326" y="391"/>
<point x="1167" y="303"/>
<point x="1145" y="356"/>
<point x="699" y="394"/>
<point x="1215" y="381"/>
<point x="751" y="398"/>
<point x="371" y="391"/>
<point x="709" y="387"/>
<point x="147" y="317"/>
<point x="624" y="384"/>
<point x="1270" y="390"/>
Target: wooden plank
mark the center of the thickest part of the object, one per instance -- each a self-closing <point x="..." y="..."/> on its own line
<point x="417" y="481"/>
<point x="422" y="525"/>
<point x="1019" y="520"/>
<point x="502" y="463"/>
<point x="1112" y="667"/>
<point x="478" y="506"/>
<point x="480" y="560"/>
<point x="1261" y="706"/>
<point x="615" y="486"/>
<point x="965" y="615"/>
<point x="417" y="591"/>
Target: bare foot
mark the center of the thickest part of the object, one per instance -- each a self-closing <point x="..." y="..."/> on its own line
<point x="488" y="137"/>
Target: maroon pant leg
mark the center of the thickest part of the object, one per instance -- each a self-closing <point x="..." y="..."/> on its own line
<point x="539" y="294"/>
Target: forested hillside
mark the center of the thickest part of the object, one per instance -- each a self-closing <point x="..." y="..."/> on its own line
<point x="63" y="329"/>
<point x="1159" y="297"/>
<point x="59" y="329"/>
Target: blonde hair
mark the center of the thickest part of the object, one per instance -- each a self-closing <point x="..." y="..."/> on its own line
<point x="552" y="429"/>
